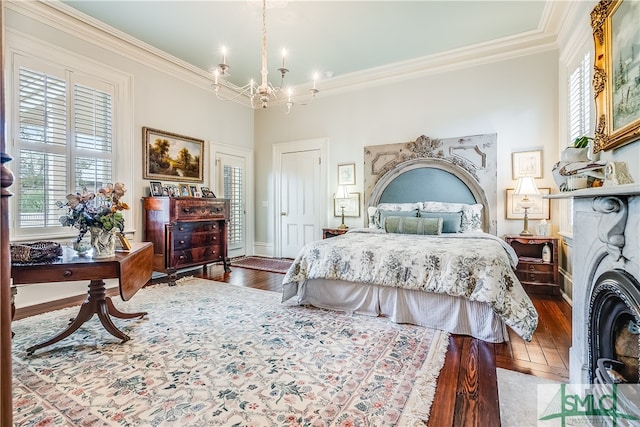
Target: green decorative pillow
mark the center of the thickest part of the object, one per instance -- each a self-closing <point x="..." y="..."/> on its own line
<point x="410" y="225"/>
<point x="384" y="214"/>
<point x="451" y="221"/>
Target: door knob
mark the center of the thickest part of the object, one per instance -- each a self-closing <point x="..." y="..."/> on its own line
<point x="283" y="213"/>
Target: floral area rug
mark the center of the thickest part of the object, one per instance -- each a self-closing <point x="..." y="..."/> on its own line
<point x="212" y="354"/>
<point x="273" y="265"/>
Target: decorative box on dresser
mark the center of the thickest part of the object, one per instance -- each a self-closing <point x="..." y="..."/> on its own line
<point x="537" y="275"/>
<point x="186" y="232"/>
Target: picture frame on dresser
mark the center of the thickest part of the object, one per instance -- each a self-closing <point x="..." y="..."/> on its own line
<point x="617" y="103"/>
<point x="172" y="157"/>
<point x="184" y="190"/>
<point x="155" y="188"/>
<point x="206" y="193"/>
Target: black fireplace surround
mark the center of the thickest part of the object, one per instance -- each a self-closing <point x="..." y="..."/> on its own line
<point x="614" y="305"/>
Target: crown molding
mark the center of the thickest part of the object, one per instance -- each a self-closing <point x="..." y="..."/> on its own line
<point x="71" y="21"/>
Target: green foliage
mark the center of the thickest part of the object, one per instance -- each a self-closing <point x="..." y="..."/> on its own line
<point x="582" y="142"/>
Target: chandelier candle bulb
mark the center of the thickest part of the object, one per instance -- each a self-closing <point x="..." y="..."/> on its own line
<point x="224" y="55"/>
<point x="284" y="54"/>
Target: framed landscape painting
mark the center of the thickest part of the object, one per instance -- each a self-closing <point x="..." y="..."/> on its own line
<point x="616" y="75"/>
<point x="172" y="157"/>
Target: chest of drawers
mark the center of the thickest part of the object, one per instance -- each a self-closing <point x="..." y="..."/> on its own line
<point x="536" y="274"/>
<point x="186" y="232"/>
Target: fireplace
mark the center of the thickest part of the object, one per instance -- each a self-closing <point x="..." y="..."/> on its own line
<point x="614" y="329"/>
<point x="606" y="284"/>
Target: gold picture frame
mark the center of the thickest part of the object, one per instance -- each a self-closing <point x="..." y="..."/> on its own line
<point x="172" y="157"/>
<point x="539" y="210"/>
<point x="616" y="90"/>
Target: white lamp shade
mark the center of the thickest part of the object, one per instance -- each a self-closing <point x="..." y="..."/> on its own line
<point x="341" y="193"/>
<point x="526" y="186"/>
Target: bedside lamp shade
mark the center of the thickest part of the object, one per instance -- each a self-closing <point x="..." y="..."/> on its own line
<point x="342" y="194"/>
<point x="526" y="187"/>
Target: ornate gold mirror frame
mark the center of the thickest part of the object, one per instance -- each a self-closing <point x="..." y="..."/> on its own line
<point x="615" y="85"/>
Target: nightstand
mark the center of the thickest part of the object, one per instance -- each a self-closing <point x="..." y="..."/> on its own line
<point x="536" y="275"/>
<point x="333" y="232"/>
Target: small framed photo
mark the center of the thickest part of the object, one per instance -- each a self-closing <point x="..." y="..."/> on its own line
<point x="539" y="210"/>
<point x="156" y="188"/>
<point x="124" y="242"/>
<point x="172" y="190"/>
<point x="207" y="193"/>
<point x="347" y="174"/>
<point x="193" y="190"/>
<point x="526" y="163"/>
<point x="351" y="206"/>
<point x="184" y="190"/>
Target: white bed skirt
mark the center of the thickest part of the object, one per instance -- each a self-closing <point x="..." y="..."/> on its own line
<point x="452" y="314"/>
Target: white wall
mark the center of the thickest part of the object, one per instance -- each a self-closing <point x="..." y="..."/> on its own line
<point x="515" y="98"/>
<point x="164" y="97"/>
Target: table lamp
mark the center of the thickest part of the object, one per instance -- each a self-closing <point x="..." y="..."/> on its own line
<point x="342" y="195"/>
<point x="526" y="187"/>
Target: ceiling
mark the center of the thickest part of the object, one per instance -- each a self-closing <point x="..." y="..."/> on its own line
<point x="331" y="38"/>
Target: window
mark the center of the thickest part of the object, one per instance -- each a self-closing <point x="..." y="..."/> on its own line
<point x="233" y="190"/>
<point x="580" y="99"/>
<point x="578" y="123"/>
<point x="63" y="141"/>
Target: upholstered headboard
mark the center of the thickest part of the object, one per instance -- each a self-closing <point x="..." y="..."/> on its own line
<point x="436" y="180"/>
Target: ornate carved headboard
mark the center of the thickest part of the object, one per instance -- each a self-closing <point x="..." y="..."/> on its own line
<point x="446" y="170"/>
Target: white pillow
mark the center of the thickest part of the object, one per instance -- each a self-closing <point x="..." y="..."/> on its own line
<point x="471" y="214"/>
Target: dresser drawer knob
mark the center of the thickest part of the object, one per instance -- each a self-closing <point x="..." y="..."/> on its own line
<point x="181" y="256"/>
<point x="180" y="228"/>
<point x="532" y="268"/>
<point x="67" y="273"/>
<point x="182" y="242"/>
<point x="186" y="210"/>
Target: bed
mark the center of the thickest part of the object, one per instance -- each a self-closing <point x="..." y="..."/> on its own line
<point x="461" y="280"/>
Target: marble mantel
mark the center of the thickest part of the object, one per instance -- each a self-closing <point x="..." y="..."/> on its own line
<point x="606" y="237"/>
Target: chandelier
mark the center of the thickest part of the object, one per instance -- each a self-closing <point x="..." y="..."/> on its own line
<point x="263" y="93"/>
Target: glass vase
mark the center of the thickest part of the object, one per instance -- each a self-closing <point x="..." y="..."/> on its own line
<point x="103" y="242"/>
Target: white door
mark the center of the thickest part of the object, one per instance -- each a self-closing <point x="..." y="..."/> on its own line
<point x="301" y="193"/>
<point x="232" y="185"/>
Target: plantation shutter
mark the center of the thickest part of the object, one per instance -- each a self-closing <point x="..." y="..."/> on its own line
<point x="580" y="99"/>
<point x="92" y="136"/>
<point x="64" y="141"/>
<point x="42" y="135"/>
<point x="233" y="190"/>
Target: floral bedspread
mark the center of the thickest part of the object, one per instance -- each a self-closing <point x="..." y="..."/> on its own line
<point x="477" y="266"/>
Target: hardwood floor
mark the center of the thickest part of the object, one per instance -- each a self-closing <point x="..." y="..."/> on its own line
<point x="467" y="392"/>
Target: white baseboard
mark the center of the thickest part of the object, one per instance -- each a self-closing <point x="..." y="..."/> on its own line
<point x="263" y="249"/>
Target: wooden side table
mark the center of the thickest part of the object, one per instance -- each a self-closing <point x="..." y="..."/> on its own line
<point x="333" y="232"/>
<point x="536" y="275"/>
<point x="132" y="269"/>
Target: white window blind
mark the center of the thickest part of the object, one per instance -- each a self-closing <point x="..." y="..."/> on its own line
<point x="233" y="189"/>
<point x="580" y="99"/>
<point x="63" y="141"/>
<point x="579" y="122"/>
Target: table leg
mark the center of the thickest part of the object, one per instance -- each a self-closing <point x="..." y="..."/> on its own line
<point x="119" y="314"/>
<point x="96" y="303"/>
